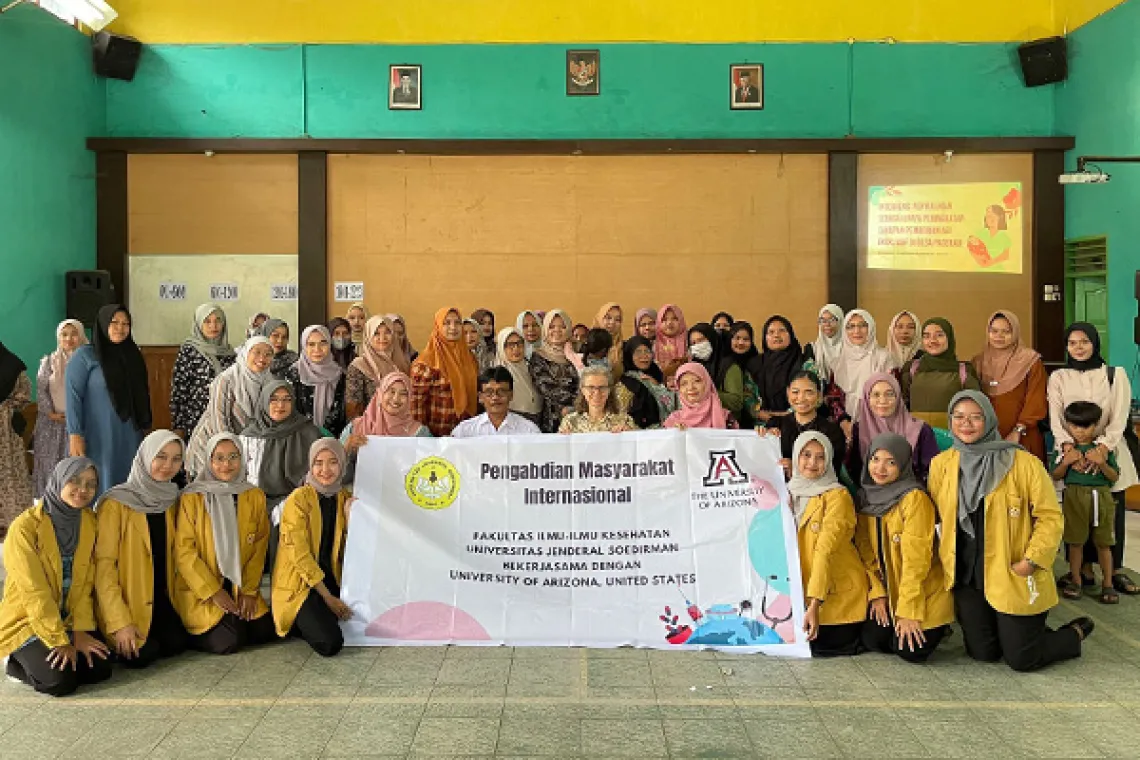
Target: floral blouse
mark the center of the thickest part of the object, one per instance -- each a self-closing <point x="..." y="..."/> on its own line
<point x="282" y="362"/>
<point x="190" y="387"/>
<point x="580" y="422"/>
<point x="335" y="418"/>
<point x="359" y="388"/>
<point x="557" y="384"/>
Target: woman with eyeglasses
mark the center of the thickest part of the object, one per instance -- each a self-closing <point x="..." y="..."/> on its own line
<point x="860" y="357"/>
<point x="511" y="354"/>
<point x="1001" y="525"/>
<point x="596" y="408"/>
<point x="824" y="351"/>
<point x="881" y="410"/>
<point x="1086" y="377"/>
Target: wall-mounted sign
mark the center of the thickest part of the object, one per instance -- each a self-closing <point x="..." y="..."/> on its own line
<point x="172" y="291"/>
<point x="348" y="292"/>
<point x="224" y="291"/>
<point x="286" y="291"/>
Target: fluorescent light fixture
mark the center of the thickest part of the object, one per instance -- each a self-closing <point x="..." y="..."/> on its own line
<point x="94" y="14"/>
<point x="1084" y="177"/>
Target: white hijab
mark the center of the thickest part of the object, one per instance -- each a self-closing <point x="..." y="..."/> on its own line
<point x="57" y="360"/>
<point x="827" y="349"/>
<point x="856" y="364"/>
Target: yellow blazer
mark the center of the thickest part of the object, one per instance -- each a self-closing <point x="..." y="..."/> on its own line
<point x="124" y="570"/>
<point x="1022" y="521"/>
<point x="198" y="575"/>
<point x="912" y="580"/>
<point x="829" y="563"/>
<point x="33" y="589"/>
<point x="296" y="570"/>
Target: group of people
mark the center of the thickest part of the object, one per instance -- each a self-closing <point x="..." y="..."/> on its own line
<point x="880" y="445"/>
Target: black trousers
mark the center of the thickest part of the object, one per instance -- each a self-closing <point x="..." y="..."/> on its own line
<point x="30" y="666"/>
<point x="1118" y="530"/>
<point x="232" y="634"/>
<point x="1023" y="641"/>
<point x="318" y="626"/>
<point x="167" y="636"/>
<point x="837" y="640"/>
<point x="882" y="638"/>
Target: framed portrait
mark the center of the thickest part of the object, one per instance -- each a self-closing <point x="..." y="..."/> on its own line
<point x="746" y="87"/>
<point x="583" y="72"/>
<point x="405" y="90"/>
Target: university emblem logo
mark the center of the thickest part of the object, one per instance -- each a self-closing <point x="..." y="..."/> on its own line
<point x="724" y="470"/>
<point x="432" y="483"/>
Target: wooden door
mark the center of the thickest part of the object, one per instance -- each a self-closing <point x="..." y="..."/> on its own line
<point x="160" y="372"/>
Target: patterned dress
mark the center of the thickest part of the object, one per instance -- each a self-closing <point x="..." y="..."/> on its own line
<point x="433" y="402"/>
<point x="190" y="387"/>
<point x="358" y="388"/>
<point x="282" y="362"/>
<point x="51" y="436"/>
<point x="580" y="422"/>
<point x="15" y="484"/>
<point x="557" y="384"/>
<point x="335" y="418"/>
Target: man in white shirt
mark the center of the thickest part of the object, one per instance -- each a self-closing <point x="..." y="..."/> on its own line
<point x="496" y="388"/>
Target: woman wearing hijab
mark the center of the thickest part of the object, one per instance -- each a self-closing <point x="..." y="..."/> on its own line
<point x="51" y="413"/>
<point x="135" y="556"/>
<point x="881" y="410"/>
<point x="202" y="357"/>
<point x="700" y="405"/>
<point x="357" y="317"/>
<point x="596" y="408"/>
<point x="485" y="318"/>
<point x="529" y="324"/>
<point x="1014" y="378"/>
<point x="318" y="382"/>
<point x="389" y="413"/>
<point x="860" y="357"/>
<point x="835" y="581"/>
<point x="824" y="352"/>
<point x="805" y="397"/>
<point x="378" y="357"/>
<point x="902" y="337"/>
<point x="444" y="377"/>
<point x="15" y="394"/>
<point x="222" y="536"/>
<point x="1001" y="526"/>
<point x="641" y="392"/>
<point x="722" y="322"/>
<point x="782" y="358"/>
<point x="340" y="338"/>
<point x="704" y="347"/>
<point x="555" y="376"/>
<point x="255" y="323"/>
<point x="932" y="379"/>
<point x="47" y="616"/>
<point x="310" y="555"/>
<point x="736" y="373"/>
<point x="473" y="339"/>
<point x="609" y="318"/>
<point x="1086" y="377"/>
<point x="511" y="354"/>
<point x="671" y="346"/>
<point x="276" y="443"/>
<point x="276" y="331"/>
<point x="108" y="397"/>
<point x="645" y="324"/>
<point x="400" y="328"/>
<point x="233" y="400"/>
<point x="911" y="608"/>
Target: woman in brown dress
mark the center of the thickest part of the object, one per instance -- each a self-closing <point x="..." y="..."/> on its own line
<point x="1014" y="379"/>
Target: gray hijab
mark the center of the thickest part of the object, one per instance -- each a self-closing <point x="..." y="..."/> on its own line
<point x="285" y="456"/>
<point x="876" y="500"/>
<point x="326" y="444"/>
<point x="803" y="489"/>
<point x="212" y="349"/>
<point x="982" y="464"/>
<point x="247" y="384"/>
<point x="142" y="492"/>
<point x="221" y="504"/>
<point x="65" y="519"/>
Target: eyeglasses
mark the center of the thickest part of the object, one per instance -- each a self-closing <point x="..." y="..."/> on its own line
<point x="496" y="392"/>
<point x="513" y="344"/>
<point x="855" y="326"/>
<point x="594" y="388"/>
<point x="975" y="419"/>
<point x="224" y="459"/>
<point x="828" y="321"/>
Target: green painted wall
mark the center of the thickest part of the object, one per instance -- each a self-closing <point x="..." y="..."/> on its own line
<point x="518" y="91"/>
<point x="50" y="102"/>
<point x="1100" y="104"/>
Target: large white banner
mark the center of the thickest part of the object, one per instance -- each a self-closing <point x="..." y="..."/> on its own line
<point x="663" y="539"/>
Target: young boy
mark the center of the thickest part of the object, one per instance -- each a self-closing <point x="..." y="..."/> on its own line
<point x="1088" y="473"/>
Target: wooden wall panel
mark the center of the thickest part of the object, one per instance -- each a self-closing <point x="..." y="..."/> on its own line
<point x="745" y="233"/>
<point x="965" y="299"/>
<point x="227" y="203"/>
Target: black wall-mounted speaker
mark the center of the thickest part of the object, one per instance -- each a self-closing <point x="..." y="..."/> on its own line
<point x="115" y="56"/>
<point x="1044" y="61"/>
<point x="88" y="290"/>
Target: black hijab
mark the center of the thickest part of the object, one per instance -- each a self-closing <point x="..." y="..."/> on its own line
<point x="285" y="460"/>
<point x="715" y="340"/>
<point x="628" y="366"/>
<point x="777" y="368"/>
<point x="343" y="356"/>
<point x="124" y="370"/>
<point x="1096" y="361"/>
<point x="749" y="361"/>
<point x="10" y="368"/>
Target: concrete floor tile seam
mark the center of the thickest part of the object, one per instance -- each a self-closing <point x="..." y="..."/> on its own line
<point x="1102" y="626"/>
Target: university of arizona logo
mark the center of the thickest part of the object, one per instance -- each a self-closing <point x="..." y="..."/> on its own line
<point x="724" y="470"/>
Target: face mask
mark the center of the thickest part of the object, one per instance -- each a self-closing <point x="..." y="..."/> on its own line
<point x="702" y="351"/>
<point x="341" y="343"/>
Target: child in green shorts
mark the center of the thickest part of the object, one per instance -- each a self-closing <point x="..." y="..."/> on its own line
<point x="1089" y="470"/>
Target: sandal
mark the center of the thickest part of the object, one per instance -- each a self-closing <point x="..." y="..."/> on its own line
<point x="1086" y="580"/>
<point x="1124" y="584"/>
<point x="1070" y="590"/>
<point x="1108" y="595"/>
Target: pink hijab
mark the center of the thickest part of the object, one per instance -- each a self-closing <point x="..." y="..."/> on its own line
<point x="666" y="349"/>
<point x="376" y="421"/>
<point x="900" y="423"/>
<point x="707" y="412"/>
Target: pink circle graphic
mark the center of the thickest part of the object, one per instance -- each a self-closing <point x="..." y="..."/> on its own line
<point x="426" y="621"/>
<point x="766" y="496"/>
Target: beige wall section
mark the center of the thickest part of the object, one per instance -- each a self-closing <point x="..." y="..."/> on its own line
<point x="508" y="233"/>
<point x="225" y="204"/>
<point x="965" y="299"/>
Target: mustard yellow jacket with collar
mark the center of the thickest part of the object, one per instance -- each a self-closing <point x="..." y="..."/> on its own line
<point x="124" y="568"/>
<point x="198" y="575"/>
<point x="33" y="588"/>
<point x="912" y="579"/>
<point x="829" y="564"/>
<point x="296" y="570"/>
<point x="1022" y="521"/>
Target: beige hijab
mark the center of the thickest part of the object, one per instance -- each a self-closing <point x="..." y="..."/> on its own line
<point x="903" y="354"/>
<point x="374" y="364"/>
<point x="57" y="382"/>
<point x="1002" y="370"/>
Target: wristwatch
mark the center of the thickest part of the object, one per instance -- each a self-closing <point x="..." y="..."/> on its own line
<point x="1021" y="429"/>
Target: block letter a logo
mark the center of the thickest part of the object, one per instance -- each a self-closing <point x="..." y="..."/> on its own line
<point x="724" y="470"/>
